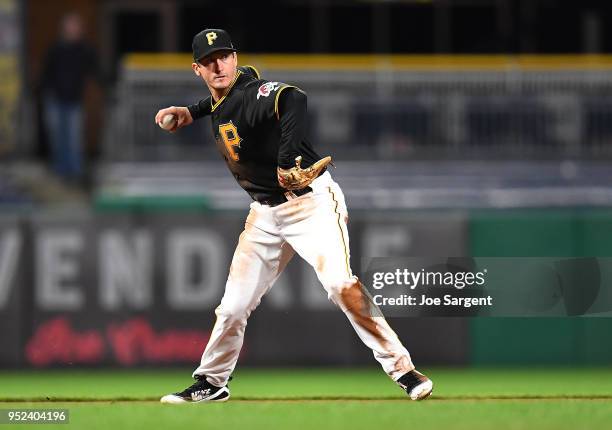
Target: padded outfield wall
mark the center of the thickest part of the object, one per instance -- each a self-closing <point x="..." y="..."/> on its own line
<point x="535" y="233"/>
<point x="139" y="288"/>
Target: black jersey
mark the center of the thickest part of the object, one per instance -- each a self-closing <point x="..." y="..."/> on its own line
<point x="256" y="130"/>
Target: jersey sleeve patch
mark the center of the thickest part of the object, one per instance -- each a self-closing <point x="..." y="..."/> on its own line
<point x="268" y="88"/>
<point x="261" y="100"/>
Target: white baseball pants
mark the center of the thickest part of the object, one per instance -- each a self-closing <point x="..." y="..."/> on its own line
<point x="314" y="226"/>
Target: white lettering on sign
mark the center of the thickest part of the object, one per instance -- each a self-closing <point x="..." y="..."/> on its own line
<point x="385" y="241"/>
<point x="196" y="269"/>
<point x="10" y="249"/>
<point x="125" y="270"/>
<point x="57" y="266"/>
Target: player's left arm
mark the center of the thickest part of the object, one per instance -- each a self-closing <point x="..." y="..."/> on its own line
<point x="291" y="111"/>
<point x="292" y="115"/>
<point x="250" y="70"/>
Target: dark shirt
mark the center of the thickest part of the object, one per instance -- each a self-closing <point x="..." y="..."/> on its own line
<point x="67" y="67"/>
<point x="259" y="125"/>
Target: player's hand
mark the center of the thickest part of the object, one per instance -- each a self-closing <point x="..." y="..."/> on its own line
<point x="297" y="178"/>
<point x="182" y="114"/>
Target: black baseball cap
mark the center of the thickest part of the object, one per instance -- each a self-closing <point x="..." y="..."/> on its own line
<point x="211" y="40"/>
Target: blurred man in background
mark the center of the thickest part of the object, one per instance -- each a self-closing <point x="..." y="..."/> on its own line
<point x="69" y="63"/>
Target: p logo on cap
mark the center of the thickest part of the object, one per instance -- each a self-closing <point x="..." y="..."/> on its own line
<point x="211" y="37"/>
<point x="208" y="41"/>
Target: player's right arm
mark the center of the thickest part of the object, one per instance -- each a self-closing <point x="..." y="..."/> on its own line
<point x="186" y="114"/>
<point x="182" y="113"/>
<point x="201" y="108"/>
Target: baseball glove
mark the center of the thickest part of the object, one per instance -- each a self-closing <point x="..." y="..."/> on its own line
<point x="297" y="178"/>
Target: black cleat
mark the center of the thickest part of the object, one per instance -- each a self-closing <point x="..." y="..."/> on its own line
<point x="200" y="391"/>
<point x="416" y="385"/>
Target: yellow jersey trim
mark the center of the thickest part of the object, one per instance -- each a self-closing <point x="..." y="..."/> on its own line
<point x="277" y="97"/>
<point x="253" y="68"/>
<point x="214" y="106"/>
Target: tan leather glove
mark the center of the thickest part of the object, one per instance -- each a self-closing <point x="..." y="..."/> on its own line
<point x="297" y="178"/>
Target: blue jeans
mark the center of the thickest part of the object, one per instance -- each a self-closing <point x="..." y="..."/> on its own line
<point x="65" y="128"/>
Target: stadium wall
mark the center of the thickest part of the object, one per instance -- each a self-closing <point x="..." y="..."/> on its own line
<point x="553" y="341"/>
<point x="139" y="288"/>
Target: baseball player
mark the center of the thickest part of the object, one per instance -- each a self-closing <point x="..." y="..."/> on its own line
<point x="297" y="207"/>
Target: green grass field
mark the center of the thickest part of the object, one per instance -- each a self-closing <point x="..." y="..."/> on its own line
<point x="322" y="399"/>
